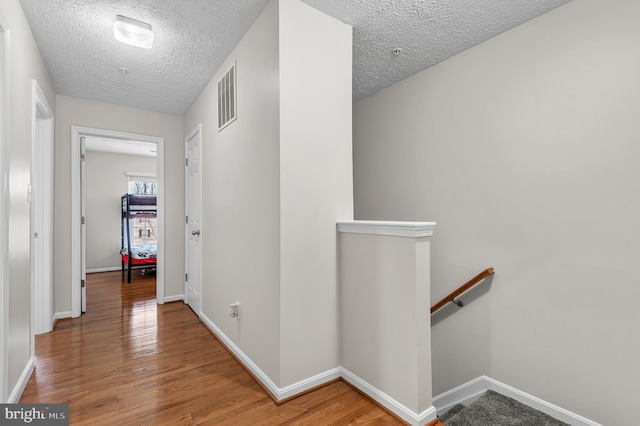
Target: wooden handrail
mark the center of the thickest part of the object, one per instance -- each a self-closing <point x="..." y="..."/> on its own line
<point x="464" y="287"/>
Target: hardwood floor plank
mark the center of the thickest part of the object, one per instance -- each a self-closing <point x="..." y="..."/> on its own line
<point x="129" y="361"/>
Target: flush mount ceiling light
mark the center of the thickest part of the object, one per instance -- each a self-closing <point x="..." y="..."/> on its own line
<point x="133" y="32"/>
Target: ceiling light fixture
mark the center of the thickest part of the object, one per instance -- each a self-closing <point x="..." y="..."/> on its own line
<point x="132" y="32"/>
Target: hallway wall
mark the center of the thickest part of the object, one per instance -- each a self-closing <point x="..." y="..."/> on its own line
<point x="269" y="206"/>
<point x="240" y="198"/>
<point x="25" y="65"/>
<point x="80" y="112"/>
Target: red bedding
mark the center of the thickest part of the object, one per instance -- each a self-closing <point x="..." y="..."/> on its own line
<point x="150" y="261"/>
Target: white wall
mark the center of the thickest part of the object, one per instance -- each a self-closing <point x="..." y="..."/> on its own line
<point x="385" y="333"/>
<point x="25" y="65"/>
<point x="240" y="198"/>
<point x="525" y="150"/>
<point x="269" y="205"/>
<point x="80" y="112"/>
<point x="316" y="183"/>
<point x="106" y="182"/>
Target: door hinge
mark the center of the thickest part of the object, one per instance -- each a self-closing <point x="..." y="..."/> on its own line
<point x="82" y="157"/>
<point x="186" y="277"/>
<point x="186" y="219"/>
<point x="186" y="162"/>
<point x="82" y="220"/>
<point x="82" y="283"/>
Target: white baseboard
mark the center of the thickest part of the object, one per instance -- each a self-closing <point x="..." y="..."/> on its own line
<point x="176" y="298"/>
<point x="62" y="315"/>
<point x="471" y="391"/>
<point x="279" y="393"/>
<point x="15" y="395"/>
<point x="406" y="414"/>
<point x="308" y="383"/>
<point x="109" y="269"/>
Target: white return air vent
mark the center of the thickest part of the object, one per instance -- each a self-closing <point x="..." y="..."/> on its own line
<point x="227" y="98"/>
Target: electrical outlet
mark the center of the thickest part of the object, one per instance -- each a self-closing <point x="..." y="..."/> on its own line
<point x="234" y="310"/>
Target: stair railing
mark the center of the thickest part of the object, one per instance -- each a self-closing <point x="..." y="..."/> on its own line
<point x="451" y="297"/>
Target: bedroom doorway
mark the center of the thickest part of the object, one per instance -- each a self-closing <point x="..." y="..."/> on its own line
<point x="78" y="249"/>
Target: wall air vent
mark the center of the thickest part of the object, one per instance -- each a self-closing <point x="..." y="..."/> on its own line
<point x="227" y="98"/>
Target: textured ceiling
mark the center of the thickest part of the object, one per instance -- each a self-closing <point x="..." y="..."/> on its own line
<point x="193" y="37"/>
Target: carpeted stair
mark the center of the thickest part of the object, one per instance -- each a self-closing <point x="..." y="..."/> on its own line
<point x="494" y="409"/>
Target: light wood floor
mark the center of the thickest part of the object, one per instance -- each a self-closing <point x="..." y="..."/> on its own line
<point x="128" y="361"/>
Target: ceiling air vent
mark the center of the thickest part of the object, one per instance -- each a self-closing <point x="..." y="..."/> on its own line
<point x="227" y="98"/>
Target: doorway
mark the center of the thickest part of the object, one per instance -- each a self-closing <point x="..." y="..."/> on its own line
<point x="112" y="168"/>
<point x="77" y="255"/>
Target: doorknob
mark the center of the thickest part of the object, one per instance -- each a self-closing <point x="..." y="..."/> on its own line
<point x="195" y="232"/>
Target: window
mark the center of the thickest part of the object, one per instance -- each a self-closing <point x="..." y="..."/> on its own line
<point x="144" y="230"/>
<point x="141" y="185"/>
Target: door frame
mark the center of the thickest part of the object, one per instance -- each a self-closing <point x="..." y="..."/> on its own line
<point x="76" y="268"/>
<point x="83" y="225"/>
<point x="5" y="122"/>
<point x="197" y="131"/>
<point x="41" y="213"/>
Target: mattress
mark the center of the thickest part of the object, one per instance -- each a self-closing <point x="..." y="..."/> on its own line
<point x="142" y="251"/>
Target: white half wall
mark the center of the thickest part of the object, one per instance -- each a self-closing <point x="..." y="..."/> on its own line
<point x="525" y="151"/>
<point x="384" y="316"/>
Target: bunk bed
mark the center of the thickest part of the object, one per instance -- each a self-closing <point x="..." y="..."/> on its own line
<point x="134" y="254"/>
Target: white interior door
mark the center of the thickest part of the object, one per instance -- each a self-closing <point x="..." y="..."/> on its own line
<point x="42" y="213"/>
<point x="193" y="209"/>
<point x="83" y="228"/>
